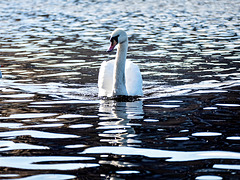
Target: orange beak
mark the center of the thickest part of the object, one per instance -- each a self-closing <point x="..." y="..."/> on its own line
<point x="112" y="45"/>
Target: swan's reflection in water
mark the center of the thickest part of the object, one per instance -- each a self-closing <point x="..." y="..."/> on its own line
<point x="115" y="125"/>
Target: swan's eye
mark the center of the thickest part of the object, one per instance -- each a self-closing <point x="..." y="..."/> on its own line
<point x="115" y="38"/>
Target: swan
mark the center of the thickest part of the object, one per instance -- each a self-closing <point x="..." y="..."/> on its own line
<point x="119" y="77"/>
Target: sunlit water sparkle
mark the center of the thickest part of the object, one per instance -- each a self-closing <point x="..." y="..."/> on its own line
<point x="52" y="124"/>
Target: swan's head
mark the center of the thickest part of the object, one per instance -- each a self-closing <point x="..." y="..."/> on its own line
<point x="118" y="36"/>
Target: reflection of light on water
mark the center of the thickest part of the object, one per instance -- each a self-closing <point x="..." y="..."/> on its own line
<point x="29" y="115"/>
<point x="207" y="134"/>
<point x="127" y="172"/>
<point x="163" y="106"/>
<point x="227" y="166"/>
<point x="204" y="87"/>
<point x="178" y="138"/>
<point x="45" y="177"/>
<point x="170" y="155"/>
<point x="10" y="125"/>
<point x="9" y="175"/>
<point x="51" y="55"/>
<point x="209" y="177"/>
<point x="61" y="90"/>
<point x="36" y="134"/>
<point x="67" y="102"/>
<point x="233" y="138"/>
<point x="10" y="145"/>
<point x="90" y="91"/>
<point x="81" y="126"/>
<point x="229" y="105"/>
<point x="120" y="110"/>
<point x="115" y="121"/>
<point x="75" y="146"/>
<point x="69" y="116"/>
<point x="17" y="96"/>
<point x="30" y="162"/>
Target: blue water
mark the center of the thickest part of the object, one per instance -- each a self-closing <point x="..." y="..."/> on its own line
<point x="52" y="124"/>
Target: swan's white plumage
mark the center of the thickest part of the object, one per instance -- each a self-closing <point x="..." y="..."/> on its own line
<point x="119" y="76"/>
<point x="133" y="79"/>
<point x="105" y="78"/>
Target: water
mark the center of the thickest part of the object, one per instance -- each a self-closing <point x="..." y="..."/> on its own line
<point x="52" y="124"/>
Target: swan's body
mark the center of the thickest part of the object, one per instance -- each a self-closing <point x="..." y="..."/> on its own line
<point x="119" y="77"/>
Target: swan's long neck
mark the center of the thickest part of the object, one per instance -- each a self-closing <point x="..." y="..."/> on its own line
<point x="119" y="85"/>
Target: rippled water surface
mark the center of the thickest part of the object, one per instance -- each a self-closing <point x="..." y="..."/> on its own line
<point x="186" y="126"/>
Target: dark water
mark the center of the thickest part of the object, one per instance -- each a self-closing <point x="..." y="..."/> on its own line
<point x="53" y="125"/>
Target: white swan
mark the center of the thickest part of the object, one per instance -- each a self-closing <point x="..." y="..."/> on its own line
<point x="119" y="77"/>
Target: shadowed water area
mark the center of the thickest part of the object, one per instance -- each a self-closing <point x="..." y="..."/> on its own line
<point x="186" y="126"/>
